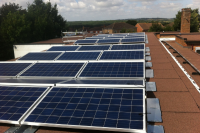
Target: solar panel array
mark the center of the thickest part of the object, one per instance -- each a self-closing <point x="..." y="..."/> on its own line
<point x="100" y="95"/>
<point x="113" y="38"/>
<point x="99" y="107"/>
<point x="122" y="55"/>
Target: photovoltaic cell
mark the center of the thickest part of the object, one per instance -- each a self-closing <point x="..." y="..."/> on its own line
<point x="134" y="37"/>
<point x="105" y="82"/>
<point x="85" y="41"/>
<point x="102" y="47"/>
<point x="40" y="56"/>
<point x="53" y="69"/>
<point x="133" y="40"/>
<point x="15" y="101"/>
<point x="79" y="56"/>
<point x="12" y="69"/>
<point x="127" y="47"/>
<point x="63" y="48"/>
<point x="99" y="107"/>
<point x="113" y="69"/>
<point x="109" y="41"/>
<point x="113" y="55"/>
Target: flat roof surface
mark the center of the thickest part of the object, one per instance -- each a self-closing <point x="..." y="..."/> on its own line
<point x="191" y="56"/>
<point x="179" y="99"/>
<point x="191" y="37"/>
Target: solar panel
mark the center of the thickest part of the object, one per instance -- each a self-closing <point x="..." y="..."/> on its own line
<point x="63" y="48"/>
<point x="94" y="38"/>
<point x="122" y="55"/>
<point x="109" y="41"/>
<point x="91" y="108"/>
<point x="113" y="70"/>
<point x="127" y="47"/>
<point x="15" y="101"/>
<point x="134" y="36"/>
<point x="85" y="41"/>
<point x="53" y="70"/>
<point x="114" y="37"/>
<point x="97" y="47"/>
<point x="103" y="83"/>
<point x="40" y="56"/>
<point x="79" y="56"/>
<point x="132" y="40"/>
<point x="12" y="69"/>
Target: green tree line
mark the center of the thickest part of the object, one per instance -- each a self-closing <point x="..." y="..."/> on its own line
<point x="40" y="21"/>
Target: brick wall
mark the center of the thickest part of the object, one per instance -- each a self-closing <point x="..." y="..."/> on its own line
<point x="185" y="20"/>
<point x="167" y="36"/>
<point x="110" y="31"/>
<point x="181" y="41"/>
<point x="139" y="29"/>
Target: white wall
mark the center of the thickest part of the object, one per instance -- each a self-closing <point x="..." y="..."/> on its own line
<point x="21" y="50"/>
<point x="167" y="39"/>
<point x="197" y="50"/>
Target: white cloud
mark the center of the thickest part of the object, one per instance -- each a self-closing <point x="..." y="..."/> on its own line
<point x="114" y="9"/>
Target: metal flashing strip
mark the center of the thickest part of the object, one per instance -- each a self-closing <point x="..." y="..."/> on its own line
<point x="146" y="41"/>
<point x="148" y="58"/>
<point x="153" y="110"/>
<point x="149" y="73"/>
<point x="148" y="64"/>
<point x="184" y="71"/>
<point x="155" y="129"/>
<point x="151" y="86"/>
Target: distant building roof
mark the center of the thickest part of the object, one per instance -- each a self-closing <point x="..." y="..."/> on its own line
<point x="119" y="26"/>
<point x="190" y="37"/>
<point x="146" y="26"/>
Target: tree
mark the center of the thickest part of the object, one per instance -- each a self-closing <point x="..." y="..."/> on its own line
<point x="194" y="22"/>
<point x="15" y="28"/>
<point x="132" y="22"/>
<point x="156" y="27"/>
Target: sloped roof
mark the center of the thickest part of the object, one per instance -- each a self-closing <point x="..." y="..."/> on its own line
<point x="146" y="26"/>
<point x="120" y="26"/>
<point x="191" y="37"/>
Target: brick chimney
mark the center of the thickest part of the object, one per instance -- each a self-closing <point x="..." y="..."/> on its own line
<point x="185" y="20"/>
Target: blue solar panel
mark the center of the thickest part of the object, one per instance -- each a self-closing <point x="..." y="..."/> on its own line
<point x="105" y="82"/>
<point x="15" y="101"/>
<point x="79" y="56"/>
<point x="53" y="69"/>
<point x="114" y="37"/>
<point x="85" y="41"/>
<point x="127" y="47"/>
<point x="102" y="47"/>
<point x="98" y="107"/>
<point x="113" y="69"/>
<point x="40" y="56"/>
<point x="133" y="40"/>
<point x="94" y="38"/>
<point x="110" y="55"/>
<point x="63" y="48"/>
<point x="12" y="69"/>
<point x="134" y="37"/>
<point x="109" y="41"/>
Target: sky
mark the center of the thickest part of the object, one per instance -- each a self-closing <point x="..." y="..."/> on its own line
<point x="83" y="10"/>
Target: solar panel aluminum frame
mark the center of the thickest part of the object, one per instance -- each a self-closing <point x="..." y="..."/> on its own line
<point x="109" y="61"/>
<point x="122" y="59"/>
<point x="88" y="127"/>
<point x="79" y="52"/>
<point x="135" y="34"/>
<point x="41" y="52"/>
<point x="102" y="85"/>
<point x="25" y="82"/>
<point x="87" y="42"/>
<point x="30" y="108"/>
<point x="62" y="46"/>
<point x="110" y="42"/>
<point x="32" y="62"/>
<point x="46" y="77"/>
<point x="94" y="38"/>
<point x="95" y="46"/>
<point x="131" y="42"/>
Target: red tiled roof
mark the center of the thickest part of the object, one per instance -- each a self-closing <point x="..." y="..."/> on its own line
<point x="146" y="26"/>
